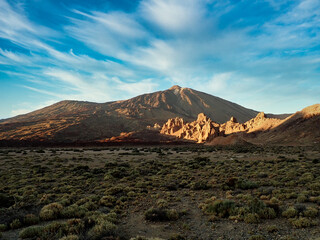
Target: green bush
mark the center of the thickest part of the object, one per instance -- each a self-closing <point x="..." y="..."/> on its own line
<point x="98" y="217"/>
<point x="102" y="229"/>
<point x="221" y="208"/>
<point x="246" y="184"/>
<point x="51" y="211"/>
<point x="260" y="208"/>
<point x="302" y="198"/>
<point x="314" y="186"/>
<point x="306" y="177"/>
<point x="255" y="205"/>
<point x="30" y="232"/>
<point x="291" y="212"/>
<point x="75" y="226"/>
<point x="54" y="228"/>
<point x="252" y="218"/>
<point x="311" y="212"/>
<point x="73" y="211"/>
<point x="111" y="217"/>
<point x="90" y="206"/>
<point x="302" y="222"/>
<point x="108" y="201"/>
<point x="162" y="203"/>
<point x="267" y="213"/>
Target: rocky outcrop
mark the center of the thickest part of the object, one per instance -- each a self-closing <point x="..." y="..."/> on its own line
<point x="204" y="129"/>
<point x="260" y="123"/>
<point x="231" y="126"/>
<point x="201" y="130"/>
<point x="172" y="126"/>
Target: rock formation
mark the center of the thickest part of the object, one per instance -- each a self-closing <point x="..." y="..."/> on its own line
<point x="201" y="130"/>
<point x="172" y="126"/>
<point x="260" y="123"/>
<point x="204" y="129"/>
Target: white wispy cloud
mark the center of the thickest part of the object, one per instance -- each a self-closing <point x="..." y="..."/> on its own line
<point x="17" y="28"/>
<point x="98" y="87"/>
<point x="9" y="57"/>
<point x="175" y="17"/>
<point x="219" y="82"/>
<point x="305" y="13"/>
<point x="108" y="33"/>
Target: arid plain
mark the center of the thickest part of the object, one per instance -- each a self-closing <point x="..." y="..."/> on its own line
<point x="160" y="192"/>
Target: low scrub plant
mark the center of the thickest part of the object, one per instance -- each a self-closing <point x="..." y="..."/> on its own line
<point x="302" y="222"/>
<point x="31" y="232"/>
<point x="51" y="211"/>
<point x="221" y="208"/>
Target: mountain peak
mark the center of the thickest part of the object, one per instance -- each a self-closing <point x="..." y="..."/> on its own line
<point x="174" y="87"/>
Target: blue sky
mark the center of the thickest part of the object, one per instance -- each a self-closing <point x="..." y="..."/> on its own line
<point x="262" y="54"/>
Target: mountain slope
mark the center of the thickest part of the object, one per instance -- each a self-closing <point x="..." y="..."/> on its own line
<point x="301" y="128"/>
<point x="182" y="102"/>
<point x="70" y="121"/>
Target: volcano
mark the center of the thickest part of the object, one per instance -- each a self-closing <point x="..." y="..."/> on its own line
<point x="74" y="121"/>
